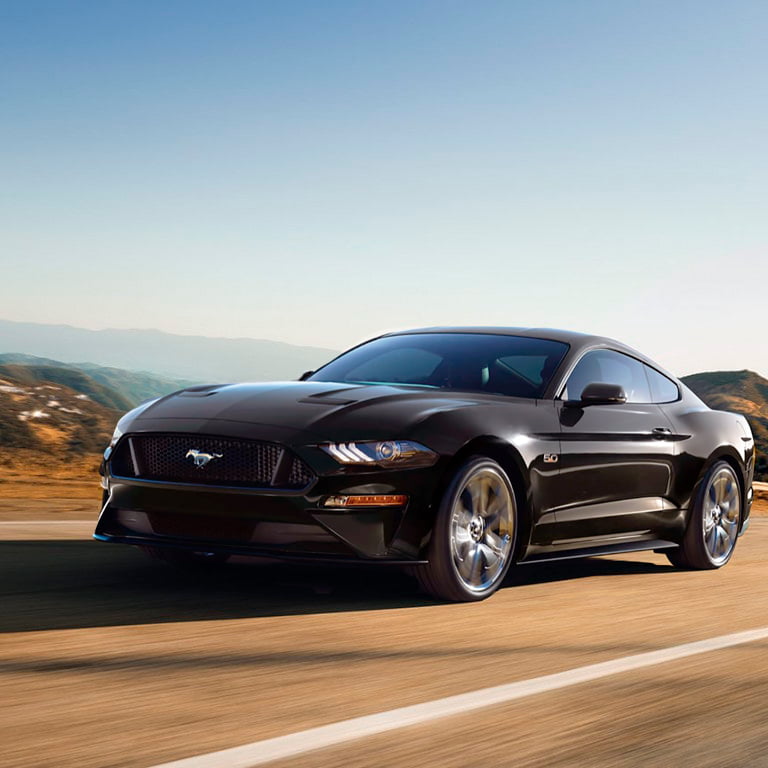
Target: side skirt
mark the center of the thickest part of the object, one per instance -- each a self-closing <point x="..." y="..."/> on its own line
<point x="605" y="549"/>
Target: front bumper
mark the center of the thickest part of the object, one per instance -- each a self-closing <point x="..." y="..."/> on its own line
<point x="279" y="524"/>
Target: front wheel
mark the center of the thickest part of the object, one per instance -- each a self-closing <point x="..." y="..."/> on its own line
<point x="713" y="522"/>
<point x="474" y="534"/>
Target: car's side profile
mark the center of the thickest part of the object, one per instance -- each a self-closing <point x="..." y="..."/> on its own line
<point x="453" y="451"/>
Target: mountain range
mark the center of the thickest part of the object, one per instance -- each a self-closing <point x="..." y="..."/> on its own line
<point x="197" y="358"/>
<point x="117" y="388"/>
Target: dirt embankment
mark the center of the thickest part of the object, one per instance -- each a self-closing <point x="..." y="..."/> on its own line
<point x="35" y="475"/>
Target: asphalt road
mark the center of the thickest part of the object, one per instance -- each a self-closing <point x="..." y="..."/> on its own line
<point x="108" y="659"/>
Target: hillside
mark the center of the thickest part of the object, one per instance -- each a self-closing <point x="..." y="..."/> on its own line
<point x="29" y="376"/>
<point x="133" y="387"/>
<point x="54" y="412"/>
<point x="198" y="358"/>
<point x="743" y="392"/>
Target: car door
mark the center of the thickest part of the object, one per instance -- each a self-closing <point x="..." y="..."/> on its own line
<point x="616" y="460"/>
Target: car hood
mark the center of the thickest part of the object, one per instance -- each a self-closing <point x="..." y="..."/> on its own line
<point x="322" y="408"/>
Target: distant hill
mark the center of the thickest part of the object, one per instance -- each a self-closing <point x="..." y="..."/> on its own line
<point x="197" y="358"/>
<point x="54" y="412"/>
<point x="70" y="378"/>
<point x="743" y="392"/>
<point x="132" y="387"/>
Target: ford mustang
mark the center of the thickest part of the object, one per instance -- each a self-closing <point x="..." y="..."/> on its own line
<point x="455" y="452"/>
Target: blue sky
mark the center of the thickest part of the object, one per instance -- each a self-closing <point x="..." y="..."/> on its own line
<point x="319" y="172"/>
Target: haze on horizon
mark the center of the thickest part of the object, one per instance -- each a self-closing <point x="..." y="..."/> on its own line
<point x="320" y="173"/>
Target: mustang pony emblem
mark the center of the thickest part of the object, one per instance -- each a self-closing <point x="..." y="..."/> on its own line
<point x="200" y="458"/>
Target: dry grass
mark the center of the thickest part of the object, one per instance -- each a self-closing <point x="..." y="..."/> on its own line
<point x="33" y="475"/>
<point x="760" y="504"/>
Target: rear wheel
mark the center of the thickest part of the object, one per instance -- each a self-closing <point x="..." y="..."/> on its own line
<point x="474" y="534"/>
<point x="713" y="523"/>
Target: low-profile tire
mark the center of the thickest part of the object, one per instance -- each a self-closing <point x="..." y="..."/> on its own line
<point x="473" y="539"/>
<point x="183" y="558"/>
<point x="713" y="522"/>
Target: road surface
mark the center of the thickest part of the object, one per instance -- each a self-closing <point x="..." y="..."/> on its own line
<point x="109" y="659"/>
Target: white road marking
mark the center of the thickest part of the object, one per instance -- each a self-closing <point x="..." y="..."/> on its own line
<point x="260" y="752"/>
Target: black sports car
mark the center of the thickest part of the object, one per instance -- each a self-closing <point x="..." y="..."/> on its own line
<point x="454" y="451"/>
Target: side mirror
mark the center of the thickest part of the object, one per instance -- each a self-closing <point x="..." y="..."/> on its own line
<point x="304" y="376"/>
<point x="600" y="394"/>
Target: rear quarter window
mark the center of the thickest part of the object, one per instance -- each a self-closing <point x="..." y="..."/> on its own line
<point x="663" y="390"/>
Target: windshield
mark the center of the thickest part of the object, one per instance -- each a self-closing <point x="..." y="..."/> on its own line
<point x="518" y="366"/>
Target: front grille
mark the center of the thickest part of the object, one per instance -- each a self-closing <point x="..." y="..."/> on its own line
<point x="179" y="458"/>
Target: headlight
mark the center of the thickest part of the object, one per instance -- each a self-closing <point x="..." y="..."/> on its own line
<point x="386" y="453"/>
<point x="116" y="435"/>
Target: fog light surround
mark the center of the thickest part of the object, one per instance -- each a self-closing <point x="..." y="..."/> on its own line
<point x="366" y="500"/>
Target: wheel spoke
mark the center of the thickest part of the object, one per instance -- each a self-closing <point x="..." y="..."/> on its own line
<point x="461" y="537"/>
<point x="494" y="511"/>
<point x="729" y="526"/>
<point x="495" y="542"/>
<point x="722" y="541"/>
<point x="718" y="486"/>
<point x="490" y="557"/>
<point x="716" y="541"/>
<point x="461" y="515"/>
<point x="475" y="565"/>
<point x="725" y="538"/>
<point x="475" y="492"/>
<point x="466" y="501"/>
<point x="711" y="539"/>
<point x="465" y="562"/>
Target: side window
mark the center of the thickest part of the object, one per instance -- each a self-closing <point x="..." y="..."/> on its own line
<point x="605" y="366"/>
<point x="663" y="390"/>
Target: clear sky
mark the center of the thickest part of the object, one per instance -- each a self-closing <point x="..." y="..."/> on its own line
<point x="318" y="172"/>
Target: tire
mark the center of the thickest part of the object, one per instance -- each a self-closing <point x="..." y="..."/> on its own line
<point x="474" y="536"/>
<point x="183" y="558"/>
<point x="713" y="523"/>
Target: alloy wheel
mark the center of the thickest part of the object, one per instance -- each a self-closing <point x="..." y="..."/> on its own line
<point x="482" y="529"/>
<point x="721" y="514"/>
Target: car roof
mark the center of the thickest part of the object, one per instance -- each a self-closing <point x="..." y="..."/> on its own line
<point x="555" y="334"/>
